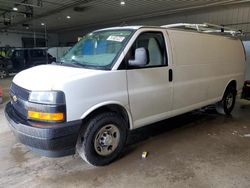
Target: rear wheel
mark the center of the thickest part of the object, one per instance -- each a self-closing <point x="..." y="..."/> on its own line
<point x="103" y="139"/>
<point x="226" y="105"/>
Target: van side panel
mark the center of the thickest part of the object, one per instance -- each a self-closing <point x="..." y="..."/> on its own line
<point x="203" y="65"/>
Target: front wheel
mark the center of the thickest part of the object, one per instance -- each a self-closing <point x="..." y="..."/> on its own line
<point x="226" y="105"/>
<point x="3" y="73"/>
<point x="103" y="139"/>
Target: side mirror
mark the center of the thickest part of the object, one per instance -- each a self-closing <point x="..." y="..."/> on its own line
<point x="141" y="58"/>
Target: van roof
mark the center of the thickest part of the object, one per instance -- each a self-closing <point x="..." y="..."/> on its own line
<point x="121" y="27"/>
<point x="135" y="27"/>
<point x="201" y="28"/>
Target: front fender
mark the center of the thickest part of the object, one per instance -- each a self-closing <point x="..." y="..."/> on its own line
<point x="103" y="104"/>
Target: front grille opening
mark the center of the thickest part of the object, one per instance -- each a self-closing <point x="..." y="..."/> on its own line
<point x="22" y="96"/>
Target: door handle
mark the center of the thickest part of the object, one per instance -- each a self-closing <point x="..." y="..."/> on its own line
<point x="170" y="75"/>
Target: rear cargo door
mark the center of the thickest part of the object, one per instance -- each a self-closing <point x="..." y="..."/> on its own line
<point x="150" y="86"/>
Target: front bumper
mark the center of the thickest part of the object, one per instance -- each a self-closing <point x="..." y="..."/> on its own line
<point x="55" y="140"/>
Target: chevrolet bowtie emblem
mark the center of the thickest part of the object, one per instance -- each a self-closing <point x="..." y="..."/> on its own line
<point x="14" y="98"/>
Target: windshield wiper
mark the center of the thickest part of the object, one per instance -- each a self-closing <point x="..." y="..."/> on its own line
<point x="74" y="63"/>
<point x="77" y="63"/>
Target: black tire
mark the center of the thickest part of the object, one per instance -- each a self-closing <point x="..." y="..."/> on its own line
<point x="90" y="145"/>
<point x="226" y="105"/>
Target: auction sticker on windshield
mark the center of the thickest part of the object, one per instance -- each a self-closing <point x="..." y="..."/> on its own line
<point x="116" y="38"/>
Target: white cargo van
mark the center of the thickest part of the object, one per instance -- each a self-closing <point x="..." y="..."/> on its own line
<point x="118" y="79"/>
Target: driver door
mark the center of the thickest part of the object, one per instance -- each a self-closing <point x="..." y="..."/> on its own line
<point x="150" y="87"/>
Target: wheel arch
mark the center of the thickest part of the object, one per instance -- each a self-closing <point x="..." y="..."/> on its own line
<point x="230" y="83"/>
<point x="112" y="106"/>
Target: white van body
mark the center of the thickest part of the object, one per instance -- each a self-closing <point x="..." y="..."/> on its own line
<point x="202" y="67"/>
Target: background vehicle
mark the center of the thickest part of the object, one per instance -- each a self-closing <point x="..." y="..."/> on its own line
<point x="246" y="91"/>
<point x="5" y="65"/>
<point x="22" y="58"/>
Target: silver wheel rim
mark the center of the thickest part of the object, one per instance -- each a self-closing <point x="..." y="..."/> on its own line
<point x="229" y="100"/>
<point x="3" y="74"/>
<point x="107" y="140"/>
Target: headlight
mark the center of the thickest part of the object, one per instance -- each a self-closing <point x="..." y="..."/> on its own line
<point x="47" y="97"/>
<point x="49" y="106"/>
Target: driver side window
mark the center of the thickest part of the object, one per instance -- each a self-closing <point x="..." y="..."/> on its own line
<point x="154" y="44"/>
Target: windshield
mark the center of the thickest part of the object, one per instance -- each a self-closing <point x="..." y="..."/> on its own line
<point x="97" y="50"/>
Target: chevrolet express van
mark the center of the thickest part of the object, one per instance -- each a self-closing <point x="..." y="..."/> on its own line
<point x="118" y="79"/>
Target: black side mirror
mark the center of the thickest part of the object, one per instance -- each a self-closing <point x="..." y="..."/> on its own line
<point x="141" y="58"/>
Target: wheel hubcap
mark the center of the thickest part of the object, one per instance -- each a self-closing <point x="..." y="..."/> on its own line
<point x="2" y="74"/>
<point x="107" y="140"/>
<point x="229" y="100"/>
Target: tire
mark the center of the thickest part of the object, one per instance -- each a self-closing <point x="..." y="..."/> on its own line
<point x="103" y="139"/>
<point x="226" y="105"/>
<point x="3" y="73"/>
